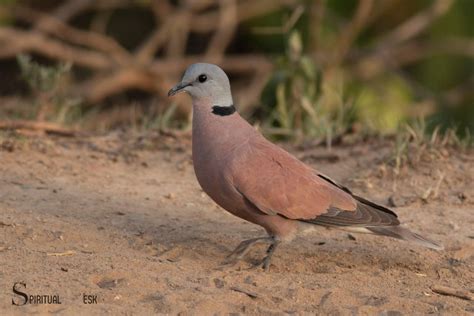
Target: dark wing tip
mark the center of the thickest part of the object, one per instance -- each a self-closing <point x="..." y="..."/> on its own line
<point x="343" y="188"/>
<point x="363" y="216"/>
<point x="366" y="214"/>
<point x="374" y="205"/>
<point x="358" y="198"/>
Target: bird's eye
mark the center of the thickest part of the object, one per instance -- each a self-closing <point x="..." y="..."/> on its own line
<point x="202" y="78"/>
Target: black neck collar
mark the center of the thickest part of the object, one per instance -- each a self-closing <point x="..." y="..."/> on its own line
<point x="223" y="110"/>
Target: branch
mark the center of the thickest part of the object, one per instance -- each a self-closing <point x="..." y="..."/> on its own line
<point x="350" y="32"/>
<point x="461" y="93"/>
<point x="47" y="127"/>
<point x="416" y="24"/>
<point x="412" y="52"/>
<point x="164" y="17"/>
<point x="70" y="9"/>
<point x="178" y="34"/>
<point x="97" y="89"/>
<point x="254" y="89"/>
<point x="316" y="15"/>
<point x="282" y="29"/>
<point x="237" y="64"/>
<point x="225" y="29"/>
<point x="161" y="9"/>
<point x="114" y="68"/>
<point x="51" y="25"/>
<point x="376" y="63"/>
<point x="246" y="10"/>
<point x="14" y="42"/>
<point x="145" y="53"/>
<point x="444" y="290"/>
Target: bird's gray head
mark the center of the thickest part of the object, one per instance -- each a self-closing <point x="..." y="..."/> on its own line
<point x="205" y="81"/>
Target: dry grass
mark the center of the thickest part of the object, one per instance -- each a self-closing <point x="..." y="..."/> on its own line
<point x="414" y="143"/>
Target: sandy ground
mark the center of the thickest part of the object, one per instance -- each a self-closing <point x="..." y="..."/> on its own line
<point x="125" y="220"/>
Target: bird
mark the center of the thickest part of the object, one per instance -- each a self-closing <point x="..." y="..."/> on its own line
<point x="258" y="181"/>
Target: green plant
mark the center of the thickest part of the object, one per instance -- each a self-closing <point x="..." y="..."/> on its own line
<point x="46" y="83"/>
<point x="299" y="104"/>
<point x="164" y="120"/>
<point x="41" y="78"/>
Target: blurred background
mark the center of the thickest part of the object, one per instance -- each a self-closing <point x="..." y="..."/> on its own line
<point x="300" y="69"/>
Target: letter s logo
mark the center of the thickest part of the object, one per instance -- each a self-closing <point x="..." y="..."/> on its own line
<point x="19" y="293"/>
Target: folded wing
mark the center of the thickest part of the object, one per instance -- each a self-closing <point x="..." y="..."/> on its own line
<point x="279" y="184"/>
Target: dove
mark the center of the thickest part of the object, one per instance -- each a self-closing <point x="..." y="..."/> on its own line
<point x="258" y="181"/>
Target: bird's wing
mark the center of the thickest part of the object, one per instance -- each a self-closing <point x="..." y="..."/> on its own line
<point x="277" y="183"/>
<point x="366" y="214"/>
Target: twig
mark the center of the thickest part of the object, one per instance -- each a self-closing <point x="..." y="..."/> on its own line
<point x="316" y="13"/>
<point x="98" y="88"/>
<point x="239" y="64"/>
<point x="382" y="8"/>
<point x="23" y="41"/>
<point x="412" y="52"/>
<point x="390" y="53"/>
<point x="145" y="53"/>
<point x="350" y="32"/>
<point x="225" y="30"/>
<point x="286" y="27"/>
<point x="61" y="254"/>
<point x="114" y="68"/>
<point x="254" y="89"/>
<point x="247" y="9"/>
<point x="438" y="184"/>
<point x="100" y="22"/>
<point x="71" y="8"/>
<point x="416" y="24"/>
<point x="54" y="26"/>
<point x="324" y="298"/>
<point x="162" y="10"/>
<point x="47" y="127"/>
<point x="444" y="290"/>
<point x="178" y="34"/>
<point x="246" y="292"/>
<point x="175" y="133"/>
<point x="377" y="62"/>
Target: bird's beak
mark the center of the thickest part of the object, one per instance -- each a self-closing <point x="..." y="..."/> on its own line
<point x="178" y="88"/>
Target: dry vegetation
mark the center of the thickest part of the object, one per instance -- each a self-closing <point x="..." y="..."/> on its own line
<point x="338" y="49"/>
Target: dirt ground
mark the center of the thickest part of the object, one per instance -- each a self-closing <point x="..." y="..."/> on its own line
<point x="123" y="218"/>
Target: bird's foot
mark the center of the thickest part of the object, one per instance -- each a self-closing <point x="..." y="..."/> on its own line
<point x="265" y="262"/>
<point x="240" y="251"/>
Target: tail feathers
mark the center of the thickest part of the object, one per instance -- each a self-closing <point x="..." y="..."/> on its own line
<point x="399" y="232"/>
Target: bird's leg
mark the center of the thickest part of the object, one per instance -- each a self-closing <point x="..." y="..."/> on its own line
<point x="265" y="262"/>
<point x="240" y="251"/>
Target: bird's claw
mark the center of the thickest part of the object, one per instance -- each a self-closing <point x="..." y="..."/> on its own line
<point x="240" y="251"/>
<point x="264" y="264"/>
